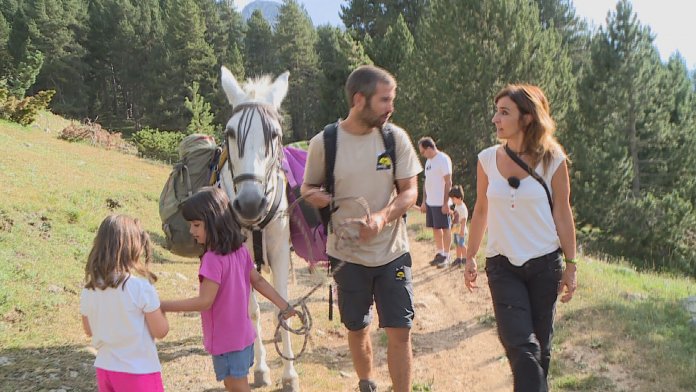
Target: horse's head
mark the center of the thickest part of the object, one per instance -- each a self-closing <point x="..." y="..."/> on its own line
<point x="254" y="138"/>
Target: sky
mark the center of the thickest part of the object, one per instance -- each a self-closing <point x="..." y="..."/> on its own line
<point x="671" y="21"/>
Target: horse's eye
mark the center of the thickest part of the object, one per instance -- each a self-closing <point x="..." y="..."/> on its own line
<point x="229" y="132"/>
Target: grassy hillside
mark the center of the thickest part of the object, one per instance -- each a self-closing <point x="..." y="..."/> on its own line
<point x="622" y="325"/>
<point x="54" y="195"/>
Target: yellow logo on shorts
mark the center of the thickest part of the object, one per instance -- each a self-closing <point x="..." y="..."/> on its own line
<point x="400" y="275"/>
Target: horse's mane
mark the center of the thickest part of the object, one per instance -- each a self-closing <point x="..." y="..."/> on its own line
<point x="258" y="87"/>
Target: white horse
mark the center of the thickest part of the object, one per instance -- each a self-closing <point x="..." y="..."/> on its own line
<point x="255" y="184"/>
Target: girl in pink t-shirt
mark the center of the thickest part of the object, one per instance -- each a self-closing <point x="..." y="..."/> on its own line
<point x="226" y="276"/>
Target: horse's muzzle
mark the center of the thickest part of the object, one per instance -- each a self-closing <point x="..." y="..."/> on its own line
<point x="250" y="203"/>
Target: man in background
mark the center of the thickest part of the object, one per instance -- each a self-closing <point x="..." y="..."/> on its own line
<point x="435" y="205"/>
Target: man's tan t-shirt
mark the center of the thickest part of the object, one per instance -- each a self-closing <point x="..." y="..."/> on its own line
<point x="359" y="172"/>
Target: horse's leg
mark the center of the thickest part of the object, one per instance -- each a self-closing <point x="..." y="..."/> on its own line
<point x="278" y="251"/>
<point x="262" y="374"/>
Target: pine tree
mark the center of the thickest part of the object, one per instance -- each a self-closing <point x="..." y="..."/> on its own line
<point x="296" y="40"/>
<point x="620" y="93"/>
<point x="339" y="55"/>
<point x="23" y="61"/>
<point x="125" y="51"/>
<point x="8" y="9"/>
<point x="632" y="149"/>
<point x="393" y="50"/>
<point x="5" y="60"/>
<point x="258" y="46"/>
<point x="448" y="93"/>
<point x="53" y="27"/>
<point x="201" y="117"/>
<point x="225" y="35"/>
<point x="189" y="58"/>
<point x="373" y="17"/>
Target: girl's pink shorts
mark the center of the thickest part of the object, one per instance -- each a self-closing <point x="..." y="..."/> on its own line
<point x="109" y="381"/>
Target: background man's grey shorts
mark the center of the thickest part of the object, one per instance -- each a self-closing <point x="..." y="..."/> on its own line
<point x="436" y="219"/>
<point x="389" y="286"/>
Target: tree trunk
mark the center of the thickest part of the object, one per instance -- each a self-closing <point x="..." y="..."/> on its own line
<point x="633" y="143"/>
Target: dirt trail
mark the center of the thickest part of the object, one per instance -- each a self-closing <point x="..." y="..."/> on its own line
<point x="454" y="340"/>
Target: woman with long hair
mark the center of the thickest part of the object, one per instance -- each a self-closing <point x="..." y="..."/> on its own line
<point x="523" y="199"/>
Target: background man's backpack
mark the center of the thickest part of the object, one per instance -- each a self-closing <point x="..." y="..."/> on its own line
<point x="198" y="156"/>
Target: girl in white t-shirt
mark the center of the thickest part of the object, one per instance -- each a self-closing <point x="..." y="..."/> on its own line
<point x="459" y="228"/>
<point x="121" y="311"/>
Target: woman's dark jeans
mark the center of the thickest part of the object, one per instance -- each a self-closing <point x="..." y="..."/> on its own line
<point x="524" y="301"/>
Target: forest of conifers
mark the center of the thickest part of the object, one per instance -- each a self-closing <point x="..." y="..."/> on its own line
<point x="626" y="118"/>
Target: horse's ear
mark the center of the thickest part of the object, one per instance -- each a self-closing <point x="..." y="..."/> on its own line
<point x="234" y="93"/>
<point x="279" y="89"/>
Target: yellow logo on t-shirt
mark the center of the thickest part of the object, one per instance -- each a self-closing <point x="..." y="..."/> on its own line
<point x="384" y="161"/>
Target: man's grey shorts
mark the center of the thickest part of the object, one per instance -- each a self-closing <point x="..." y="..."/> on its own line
<point x="389" y="286"/>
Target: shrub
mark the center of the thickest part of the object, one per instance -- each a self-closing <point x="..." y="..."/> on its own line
<point x="23" y="111"/>
<point x="656" y="232"/>
<point x="95" y="135"/>
<point x="160" y="145"/>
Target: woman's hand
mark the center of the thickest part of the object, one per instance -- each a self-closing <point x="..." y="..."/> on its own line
<point x="568" y="283"/>
<point x="470" y="274"/>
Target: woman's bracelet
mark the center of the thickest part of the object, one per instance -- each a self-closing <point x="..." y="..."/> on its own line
<point x="570" y="261"/>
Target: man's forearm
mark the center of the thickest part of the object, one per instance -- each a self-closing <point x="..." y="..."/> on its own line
<point x="448" y="186"/>
<point x="403" y="201"/>
<point x="315" y="196"/>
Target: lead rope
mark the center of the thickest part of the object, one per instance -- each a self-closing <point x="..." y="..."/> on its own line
<point x="303" y="313"/>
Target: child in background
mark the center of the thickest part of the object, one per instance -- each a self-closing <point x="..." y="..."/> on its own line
<point x="120" y="311"/>
<point x="459" y="229"/>
<point x="226" y="275"/>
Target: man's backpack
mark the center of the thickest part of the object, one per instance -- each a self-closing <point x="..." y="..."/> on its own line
<point x="198" y="156"/>
<point x="330" y="147"/>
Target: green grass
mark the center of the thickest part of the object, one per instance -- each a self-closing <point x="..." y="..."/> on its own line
<point x="55" y="195"/>
<point x="636" y="320"/>
<point x="423" y="386"/>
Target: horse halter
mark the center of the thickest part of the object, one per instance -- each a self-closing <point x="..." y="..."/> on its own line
<point x="273" y="146"/>
<point x="266" y="113"/>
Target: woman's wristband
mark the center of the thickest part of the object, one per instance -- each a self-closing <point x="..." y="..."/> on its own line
<point x="570" y="261"/>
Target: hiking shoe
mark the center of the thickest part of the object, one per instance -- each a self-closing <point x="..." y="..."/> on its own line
<point x="458" y="263"/>
<point x="437" y="260"/>
<point x="444" y="263"/>
<point x="367" y="386"/>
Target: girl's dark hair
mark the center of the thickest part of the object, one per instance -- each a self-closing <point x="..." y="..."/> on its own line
<point x="210" y="205"/>
<point x="120" y="247"/>
<point x="456" y="191"/>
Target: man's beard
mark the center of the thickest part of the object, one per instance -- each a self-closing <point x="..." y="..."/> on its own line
<point x="371" y="119"/>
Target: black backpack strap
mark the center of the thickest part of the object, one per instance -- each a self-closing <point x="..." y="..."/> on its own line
<point x="330" y="143"/>
<point x="390" y="147"/>
<point x="531" y="172"/>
